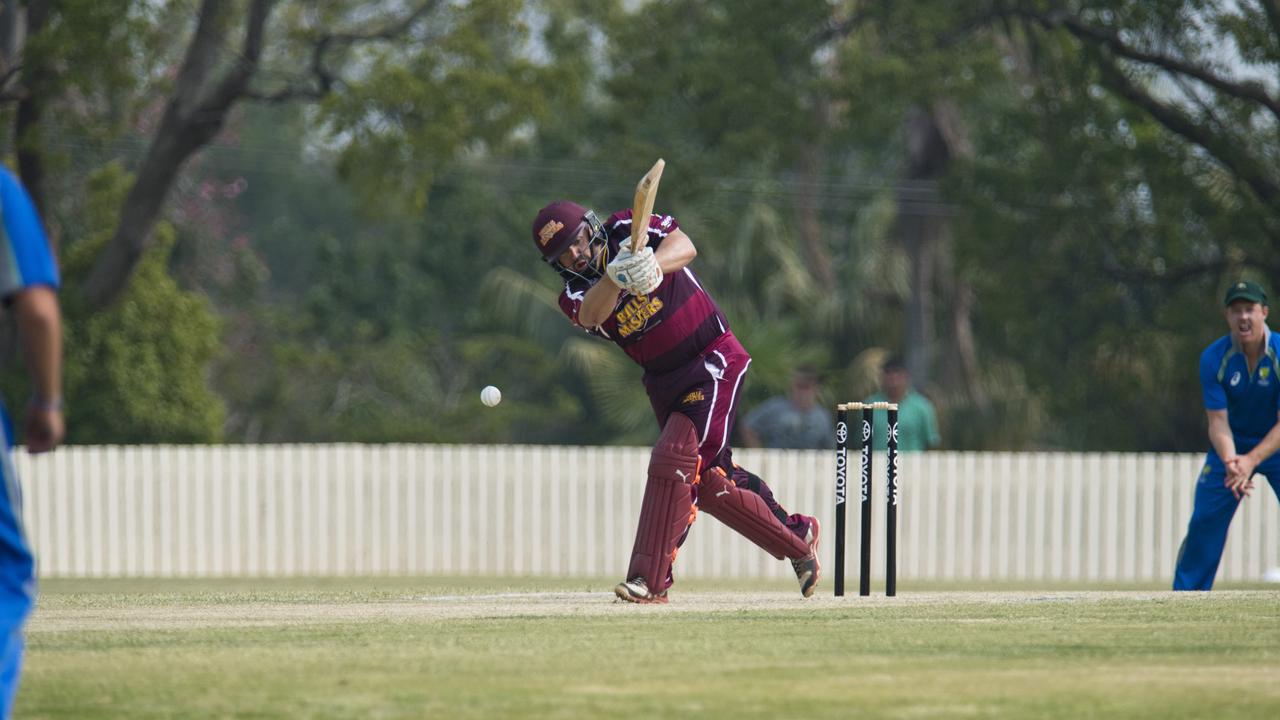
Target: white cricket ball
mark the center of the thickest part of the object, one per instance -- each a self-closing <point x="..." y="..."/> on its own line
<point x="1272" y="575"/>
<point x="490" y="395"/>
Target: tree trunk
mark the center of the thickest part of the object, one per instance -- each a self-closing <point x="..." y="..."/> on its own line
<point x="812" y="173"/>
<point x="918" y="232"/>
<point x="26" y="124"/>
<point x="810" y="218"/>
<point x="11" y="34"/>
<point x="934" y="137"/>
<point x="194" y="115"/>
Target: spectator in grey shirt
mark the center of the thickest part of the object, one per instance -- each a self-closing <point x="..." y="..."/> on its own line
<point x="795" y="420"/>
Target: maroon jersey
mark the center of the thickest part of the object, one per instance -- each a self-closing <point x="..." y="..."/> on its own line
<point x="665" y="329"/>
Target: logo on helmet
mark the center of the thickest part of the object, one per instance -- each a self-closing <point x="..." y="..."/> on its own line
<point x="549" y="231"/>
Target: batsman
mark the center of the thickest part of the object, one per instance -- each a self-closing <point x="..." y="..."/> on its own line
<point x="627" y="280"/>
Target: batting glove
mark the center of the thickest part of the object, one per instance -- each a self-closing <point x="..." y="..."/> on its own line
<point x="636" y="273"/>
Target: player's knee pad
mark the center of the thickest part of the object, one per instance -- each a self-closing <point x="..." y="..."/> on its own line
<point x="667" y="509"/>
<point x="747" y="514"/>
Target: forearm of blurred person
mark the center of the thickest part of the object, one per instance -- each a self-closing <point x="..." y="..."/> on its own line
<point x="39" y="321"/>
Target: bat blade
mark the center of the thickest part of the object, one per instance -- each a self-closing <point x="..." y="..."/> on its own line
<point x="642" y="208"/>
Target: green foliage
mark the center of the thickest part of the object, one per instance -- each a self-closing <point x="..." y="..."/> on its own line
<point x="377" y="326"/>
<point x="136" y="372"/>
<point x="418" y="105"/>
<point x="1098" y="242"/>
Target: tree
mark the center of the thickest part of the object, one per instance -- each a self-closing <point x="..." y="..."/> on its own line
<point x="230" y="58"/>
<point x="358" y="65"/>
<point x="1200" y="70"/>
<point x="1131" y="182"/>
<point x="135" y="372"/>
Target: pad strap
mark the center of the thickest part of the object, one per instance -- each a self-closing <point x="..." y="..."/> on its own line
<point x="747" y="514"/>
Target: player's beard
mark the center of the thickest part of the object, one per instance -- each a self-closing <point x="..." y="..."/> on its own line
<point x="594" y="268"/>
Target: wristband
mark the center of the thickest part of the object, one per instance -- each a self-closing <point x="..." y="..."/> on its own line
<point x="47" y="405"/>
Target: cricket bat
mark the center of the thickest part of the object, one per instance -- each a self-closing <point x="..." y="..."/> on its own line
<point x="642" y="208"/>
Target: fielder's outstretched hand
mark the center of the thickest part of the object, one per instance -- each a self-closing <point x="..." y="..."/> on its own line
<point x="637" y="273"/>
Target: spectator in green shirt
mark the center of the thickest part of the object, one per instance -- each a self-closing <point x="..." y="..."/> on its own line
<point x="917" y="421"/>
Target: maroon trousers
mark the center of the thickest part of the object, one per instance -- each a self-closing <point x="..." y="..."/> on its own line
<point x="706" y="390"/>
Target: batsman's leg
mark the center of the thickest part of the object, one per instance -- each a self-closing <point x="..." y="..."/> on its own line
<point x="799" y="524"/>
<point x="749" y="515"/>
<point x="805" y="527"/>
<point x="666" y="512"/>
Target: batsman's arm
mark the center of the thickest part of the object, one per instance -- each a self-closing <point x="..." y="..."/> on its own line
<point x="598" y="303"/>
<point x="675" y="252"/>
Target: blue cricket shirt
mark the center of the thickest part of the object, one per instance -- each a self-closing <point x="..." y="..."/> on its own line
<point x="1251" y="401"/>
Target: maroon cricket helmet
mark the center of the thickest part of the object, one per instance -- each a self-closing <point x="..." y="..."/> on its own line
<point x="555" y="227"/>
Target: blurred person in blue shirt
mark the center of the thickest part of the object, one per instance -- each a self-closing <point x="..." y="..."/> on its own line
<point x="28" y="284"/>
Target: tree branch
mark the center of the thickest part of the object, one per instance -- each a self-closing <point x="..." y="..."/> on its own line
<point x="195" y="114"/>
<point x="200" y="57"/>
<point x="1206" y="110"/>
<point x="1173" y="276"/>
<point x="27" y="123"/>
<point x="1272" y="9"/>
<point x="390" y="31"/>
<point x="322" y="78"/>
<point x="1225" y="150"/>
<point x="233" y="85"/>
<point x="8" y="94"/>
<point x="192" y="117"/>
<point x="1244" y="90"/>
<point x="837" y="28"/>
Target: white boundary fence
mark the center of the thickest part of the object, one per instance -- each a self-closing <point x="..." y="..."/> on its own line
<point x="571" y="511"/>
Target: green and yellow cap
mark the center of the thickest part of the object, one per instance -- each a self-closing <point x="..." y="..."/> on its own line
<point x="1245" y="290"/>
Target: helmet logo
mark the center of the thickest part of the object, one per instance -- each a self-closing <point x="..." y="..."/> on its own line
<point x="549" y="231"/>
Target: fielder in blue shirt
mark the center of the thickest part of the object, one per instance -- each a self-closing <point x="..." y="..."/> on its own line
<point x="28" y="288"/>
<point x="1240" y="379"/>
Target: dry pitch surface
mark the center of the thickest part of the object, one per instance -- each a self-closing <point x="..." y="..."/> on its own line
<point x="177" y="614"/>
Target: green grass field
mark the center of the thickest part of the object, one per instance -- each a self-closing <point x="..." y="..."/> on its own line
<point x="490" y="648"/>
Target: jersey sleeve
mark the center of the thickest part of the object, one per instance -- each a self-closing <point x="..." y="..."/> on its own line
<point x="1215" y="397"/>
<point x="571" y="302"/>
<point x="660" y="226"/>
<point x="25" y="256"/>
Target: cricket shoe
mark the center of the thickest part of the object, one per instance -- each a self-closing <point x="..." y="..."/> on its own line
<point x="807" y="568"/>
<point x="636" y="590"/>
